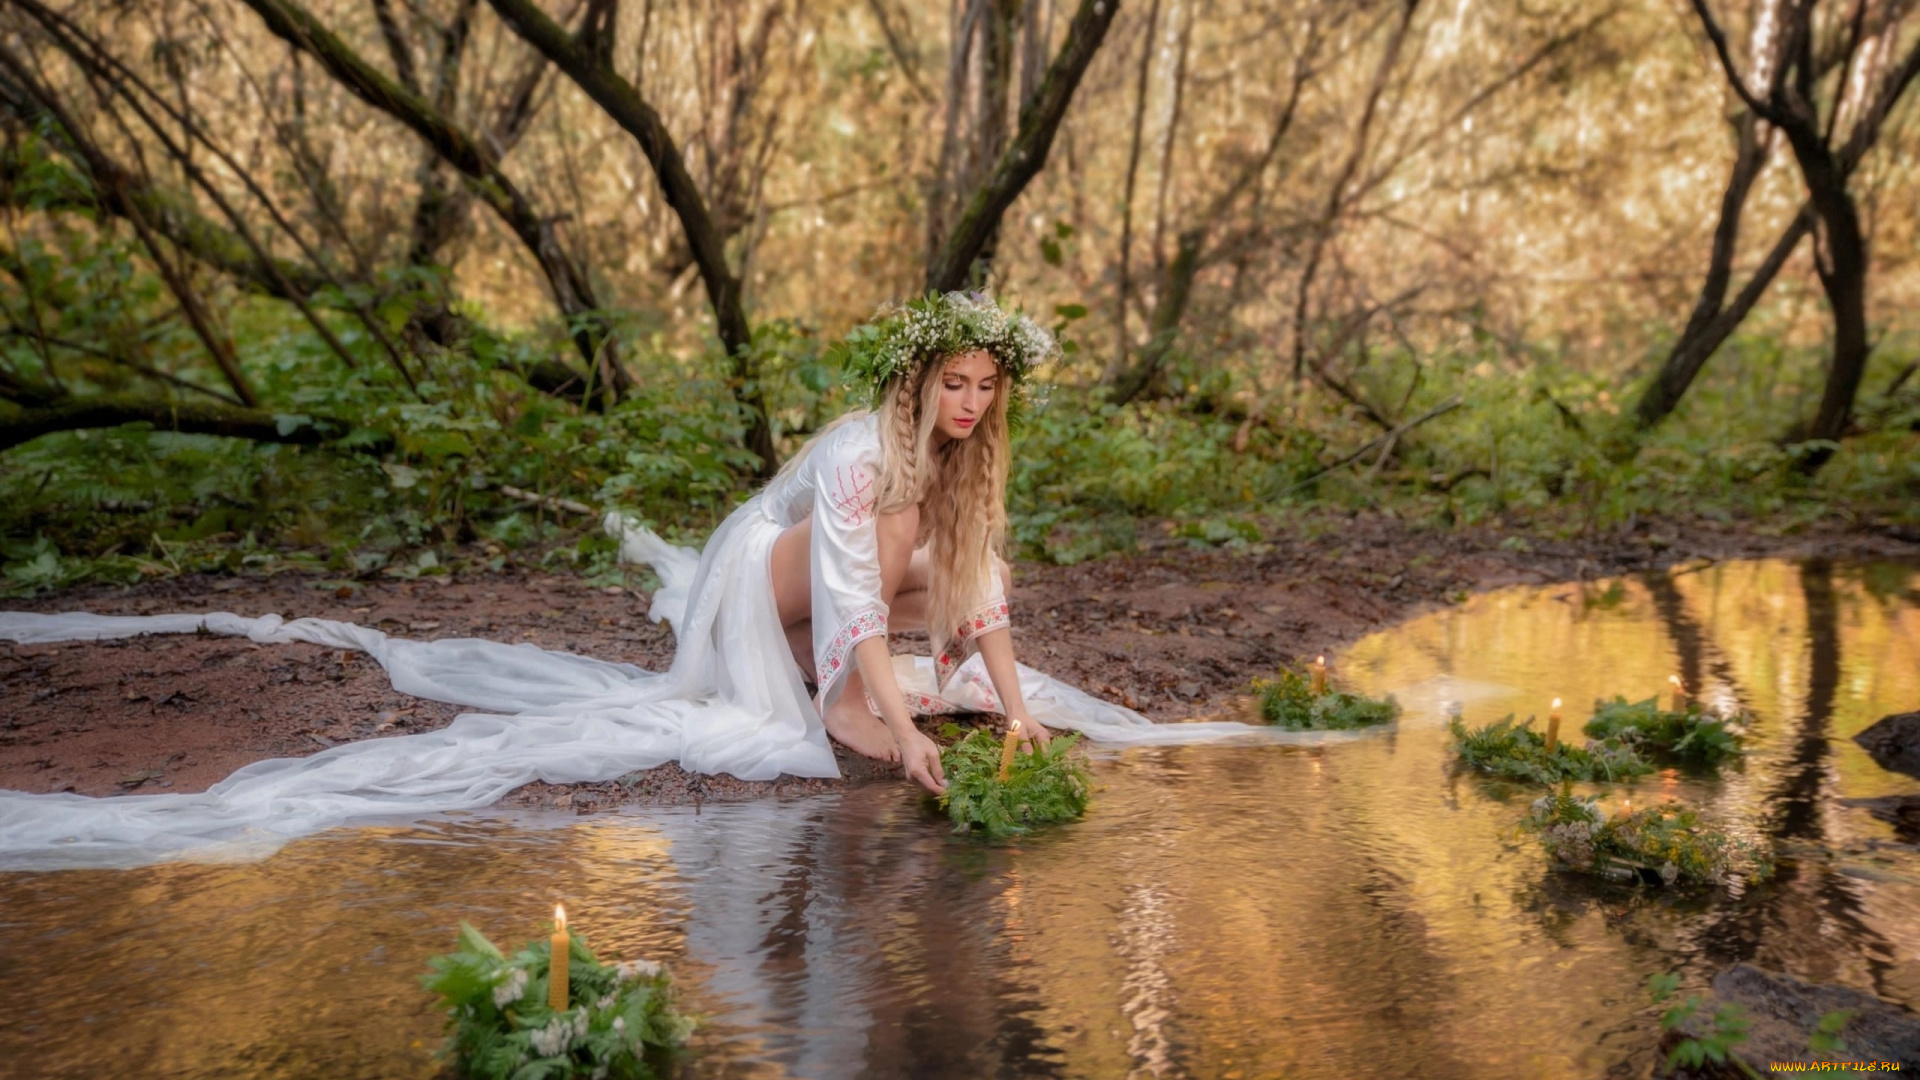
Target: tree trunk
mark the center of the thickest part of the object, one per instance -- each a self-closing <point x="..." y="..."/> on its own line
<point x="1337" y="195"/>
<point x="1685" y="360"/>
<point x="1167" y="313"/>
<point x="990" y="118"/>
<point x="1842" y="265"/>
<point x="952" y="265"/>
<point x="1121" y="342"/>
<point x="1844" y="277"/>
<point x="622" y="101"/>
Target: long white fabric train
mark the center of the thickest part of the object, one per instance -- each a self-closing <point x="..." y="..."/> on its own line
<point x="732" y="702"/>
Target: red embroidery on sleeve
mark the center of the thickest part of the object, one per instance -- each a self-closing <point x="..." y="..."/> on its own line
<point x="853" y="494"/>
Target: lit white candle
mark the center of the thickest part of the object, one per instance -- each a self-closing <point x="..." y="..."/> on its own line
<point x="1319" y="675"/>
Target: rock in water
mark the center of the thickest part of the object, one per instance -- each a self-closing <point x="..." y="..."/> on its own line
<point x="1894" y="742"/>
<point x="1785" y="1011"/>
<point x="1900" y="811"/>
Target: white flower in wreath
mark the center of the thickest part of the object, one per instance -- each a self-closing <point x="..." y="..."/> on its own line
<point x="560" y="1033"/>
<point x="511" y="986"/>
<point x="637" y="969"/>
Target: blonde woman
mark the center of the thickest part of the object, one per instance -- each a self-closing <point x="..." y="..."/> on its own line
<point x="891" y="519"/>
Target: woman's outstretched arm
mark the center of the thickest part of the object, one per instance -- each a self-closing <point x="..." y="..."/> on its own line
<point x="996" y="651"/>
<point x="917" y="752"/>
<point x="895" y="534"/>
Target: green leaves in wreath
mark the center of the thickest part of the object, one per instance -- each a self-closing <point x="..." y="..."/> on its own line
<point x="1289" y="702"/>
<point x="501" y="1028"/>
<point x="1044" y="787"/>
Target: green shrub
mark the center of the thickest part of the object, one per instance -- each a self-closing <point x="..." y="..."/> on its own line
<point x="1665" y="844"/>
<point x="1289" y="702"/>
<point x="1694" y="737"/>
<point x="1517" y="752"/>
<point x="500" y="1026"/>
<point x="1042" y="788"/>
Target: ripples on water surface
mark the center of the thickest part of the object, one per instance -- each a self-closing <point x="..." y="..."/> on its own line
<point x="1344" y="910"/>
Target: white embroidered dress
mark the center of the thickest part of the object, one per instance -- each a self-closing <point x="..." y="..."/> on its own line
<point x="733" y="700"/>
<point x="836" y="486"/>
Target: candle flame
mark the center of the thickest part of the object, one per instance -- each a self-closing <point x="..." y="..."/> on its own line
<point x="559" y="917"/>
<point x="1677" y="684"/>
<point x="1556" y="703"/>
<point x="1013" y="725"/>
<point x="1321" y="660"/>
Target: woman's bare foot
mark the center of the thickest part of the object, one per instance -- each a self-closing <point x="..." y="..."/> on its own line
<point x="853" y="725"/>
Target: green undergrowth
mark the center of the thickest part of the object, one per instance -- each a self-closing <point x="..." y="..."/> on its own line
<point x="1702" y="1040"/>
<point x="500" y="1027"/>
<point x="1288" y="701"/>
<point x="1664" y="845"/>
<point x="1221" y="456"/>
<point x="1691" y="737"/>
<point x="1045" y="787"/>
<point x="1517" y="752"/>
<point x="453" y="486"/>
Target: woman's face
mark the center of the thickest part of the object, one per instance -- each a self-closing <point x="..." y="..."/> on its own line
<point x="967" y="386"/>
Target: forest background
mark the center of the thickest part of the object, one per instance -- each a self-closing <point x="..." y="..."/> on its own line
<point x="398" y="286"/>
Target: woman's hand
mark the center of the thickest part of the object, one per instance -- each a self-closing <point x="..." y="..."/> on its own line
<point x="922" y="759"/>
<point x="1033" y="734"/>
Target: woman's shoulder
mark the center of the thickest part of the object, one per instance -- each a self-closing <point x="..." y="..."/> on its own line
<point x="856" y="438"/>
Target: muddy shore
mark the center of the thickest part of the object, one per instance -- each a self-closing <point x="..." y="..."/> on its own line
<point x="1174" y="632"/>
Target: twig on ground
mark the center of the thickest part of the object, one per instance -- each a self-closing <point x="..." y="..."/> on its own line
<point x="551" y="502"/>
<point x="1392" y="435"/>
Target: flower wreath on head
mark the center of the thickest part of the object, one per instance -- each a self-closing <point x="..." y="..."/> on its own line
<point x="942" y="325"/>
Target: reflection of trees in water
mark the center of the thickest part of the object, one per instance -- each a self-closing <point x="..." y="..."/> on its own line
<point x="1791" y="921"/>
<point x="891" y="934"/>
<point x="1698" y="654"/>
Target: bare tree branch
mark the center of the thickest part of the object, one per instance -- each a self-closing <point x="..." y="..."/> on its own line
<point x="188" y="418"/>
<point x="109" y="180"/>
<point x="573" y="292"/>
<point x="1023" y="160"/>
<point x="1719" y="39"/>
<point x="623" y="102"/>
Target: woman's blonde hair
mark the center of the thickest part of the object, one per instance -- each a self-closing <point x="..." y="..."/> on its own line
<point x="960" y="487"/>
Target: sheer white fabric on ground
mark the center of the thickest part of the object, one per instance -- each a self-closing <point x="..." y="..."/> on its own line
<point x="732" y="702"/>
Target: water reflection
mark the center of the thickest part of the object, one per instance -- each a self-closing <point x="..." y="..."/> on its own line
<point x="1339" y="910"/>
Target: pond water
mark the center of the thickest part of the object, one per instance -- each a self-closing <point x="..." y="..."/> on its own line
<point x="1345" y="909"/>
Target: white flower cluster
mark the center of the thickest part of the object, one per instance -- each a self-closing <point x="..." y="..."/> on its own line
<point x="560" y="1033"/>
<point x="944" y="325"/>
<point x="512" y="984"/>
<point x="629" y="970"/>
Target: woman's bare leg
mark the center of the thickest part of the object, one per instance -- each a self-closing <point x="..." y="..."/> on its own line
<point x="908" y="609"/>
<point x="849" y="711"/>
<point x="849" y="722"/>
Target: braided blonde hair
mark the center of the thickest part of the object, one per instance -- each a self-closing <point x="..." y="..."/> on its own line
<point x="960" y="487"/>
